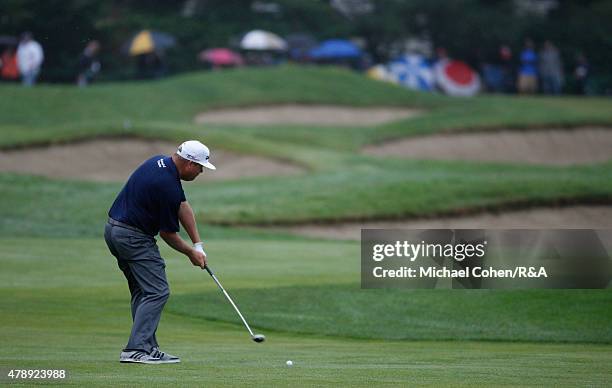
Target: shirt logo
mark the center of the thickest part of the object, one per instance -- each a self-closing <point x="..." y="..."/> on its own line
<point x="161" y="164"/>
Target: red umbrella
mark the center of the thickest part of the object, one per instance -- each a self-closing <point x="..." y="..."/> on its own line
<point x="221" y="57"/>
<point x="456" y="78"/>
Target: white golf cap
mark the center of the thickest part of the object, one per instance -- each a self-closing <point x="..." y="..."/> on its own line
<point x="196" y="152"/>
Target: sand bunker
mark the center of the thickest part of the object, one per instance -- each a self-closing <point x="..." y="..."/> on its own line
<point x="306" y="115"/>
<point x="552" y="146"/>
<point x="111" y="160"/>
<point x="595" y="217"/>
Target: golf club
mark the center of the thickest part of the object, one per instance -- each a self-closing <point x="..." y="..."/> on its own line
<point x="255" y="337"/>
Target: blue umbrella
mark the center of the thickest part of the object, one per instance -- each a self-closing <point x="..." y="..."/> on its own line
<point x="300" y="45"/>
<point x="335" y="49"/>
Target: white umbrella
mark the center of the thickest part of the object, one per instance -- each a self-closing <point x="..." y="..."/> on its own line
<point x="262" y="40"/>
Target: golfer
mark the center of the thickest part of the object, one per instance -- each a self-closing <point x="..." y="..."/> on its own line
<point x="151" y="202"/>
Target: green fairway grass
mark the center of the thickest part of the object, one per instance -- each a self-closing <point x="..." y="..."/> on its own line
<point x="66" y="306"/>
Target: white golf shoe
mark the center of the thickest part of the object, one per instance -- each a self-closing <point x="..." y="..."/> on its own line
<point x="164" y="358"/>
<point x="138" y="357"/>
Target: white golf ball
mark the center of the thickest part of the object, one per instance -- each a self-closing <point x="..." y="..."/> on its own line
<point x="289" y="362"/>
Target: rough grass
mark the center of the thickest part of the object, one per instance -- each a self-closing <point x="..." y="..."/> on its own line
<point x="33" y="206"/>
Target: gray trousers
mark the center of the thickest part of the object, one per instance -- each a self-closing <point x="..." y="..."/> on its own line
<point x="139" y="259"/>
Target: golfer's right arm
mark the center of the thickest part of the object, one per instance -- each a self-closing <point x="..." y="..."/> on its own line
<point x="175" y="241"/>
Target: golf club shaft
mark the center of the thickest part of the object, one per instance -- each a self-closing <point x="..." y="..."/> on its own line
<point x="230" y="300"/>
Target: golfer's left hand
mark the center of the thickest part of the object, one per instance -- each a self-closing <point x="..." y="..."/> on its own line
<point x="199" y="246"/>
<point x="198" y="258"/>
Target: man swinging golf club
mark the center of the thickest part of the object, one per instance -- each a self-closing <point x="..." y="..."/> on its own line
<point x="152" y="201"/>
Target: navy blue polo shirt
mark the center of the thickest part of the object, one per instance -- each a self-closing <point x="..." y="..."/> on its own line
<point x="151" y="198"/>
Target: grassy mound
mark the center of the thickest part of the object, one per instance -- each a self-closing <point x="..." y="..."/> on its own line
<point x="341" y="185"/>
<point x="54" y="113"/>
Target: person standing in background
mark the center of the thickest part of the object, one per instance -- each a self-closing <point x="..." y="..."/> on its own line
<point x="581" y="74"/>
<point x="29" y="59"/>
<point x="507" y="68"/>
<point x="551" y="69"/>
<point x="89" y="65"/>
<point x="528" y="72"/>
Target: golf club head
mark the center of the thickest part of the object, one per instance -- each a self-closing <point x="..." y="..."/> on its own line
<point x="258" y="338"/>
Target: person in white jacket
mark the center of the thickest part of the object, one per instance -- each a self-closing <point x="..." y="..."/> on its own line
<point x="29" y="59"/>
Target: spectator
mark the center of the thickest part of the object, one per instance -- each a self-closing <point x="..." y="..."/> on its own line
<point x="493" y="78"/>
<point x="528" y="73"/>
<point x="551" y="69"/>
<point x="29" y="59"/>
<point x="507" y="68"/>
<point x="150" y="65"/>
<point x="89" y="65"/>
<point x="581" y="74"/>
<point x="158" y="61"/>
<point x="9" y="69"/>
<point x="498" y="75"/>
